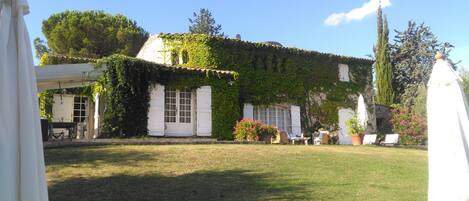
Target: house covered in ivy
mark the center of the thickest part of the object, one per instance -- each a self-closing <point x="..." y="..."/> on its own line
<point x="197" y="85"/>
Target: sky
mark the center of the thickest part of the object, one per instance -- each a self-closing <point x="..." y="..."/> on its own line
<point x="345" y="27"/>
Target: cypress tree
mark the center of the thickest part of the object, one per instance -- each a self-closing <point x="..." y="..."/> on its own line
<point x="385" y="94"/>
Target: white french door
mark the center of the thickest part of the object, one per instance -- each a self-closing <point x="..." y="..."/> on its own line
<point x="178" y="112"/>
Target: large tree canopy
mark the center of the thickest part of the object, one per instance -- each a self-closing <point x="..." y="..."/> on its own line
<point x="204" y="23"/>
<point x="40" y="47"/>
<point x="93" y="34"/>
<point x="413" y="56"/>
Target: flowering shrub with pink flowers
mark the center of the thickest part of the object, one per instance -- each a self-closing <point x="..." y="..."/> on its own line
<point x="411" y="127"/>
<point x="252" y="130"/>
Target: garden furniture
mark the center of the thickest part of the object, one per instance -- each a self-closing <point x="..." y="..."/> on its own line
<point x="299" y="138"/>
<point x="390" y="139"/>
<point x="369" y="139"/>
<point x="70" y="126"/>
<point x="323" y="137"/>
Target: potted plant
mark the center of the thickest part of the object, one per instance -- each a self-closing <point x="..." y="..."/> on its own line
<point x="355" y="129"/>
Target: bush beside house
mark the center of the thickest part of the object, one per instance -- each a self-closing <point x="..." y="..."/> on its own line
<point x="251" y="130"/>
<point x="411" y="127"/>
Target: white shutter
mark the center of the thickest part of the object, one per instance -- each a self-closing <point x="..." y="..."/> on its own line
<point x="62" y="109"/>
<point x="295" y="120"/>
<point x="248" y="111"/>
<point x="204" y="111"/>
<point x="156" y="111"/>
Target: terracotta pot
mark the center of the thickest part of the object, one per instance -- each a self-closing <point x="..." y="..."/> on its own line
<point x="357" y="139"/>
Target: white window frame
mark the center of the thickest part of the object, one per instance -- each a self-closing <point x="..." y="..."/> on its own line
<point x="181" y="109"/>
<point x="82" y="107"/>
<point x="271" y="115"/>
<point x="344" y="74"/>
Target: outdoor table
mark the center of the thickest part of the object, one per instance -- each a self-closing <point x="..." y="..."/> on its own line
<point x="70" y="126"/>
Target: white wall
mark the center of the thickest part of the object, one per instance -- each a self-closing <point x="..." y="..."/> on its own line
<point x="344" y="115"/>
<point x="154" y="50"/>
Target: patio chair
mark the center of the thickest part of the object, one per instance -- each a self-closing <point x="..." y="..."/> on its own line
<point x="294" y="138"/>
<point x="318" y="137"/>
<point x="369" y="139"/>
<point x="390" y="139"/>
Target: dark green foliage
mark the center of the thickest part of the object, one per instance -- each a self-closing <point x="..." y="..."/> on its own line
<point x="385" y="93"/>
<point x="93" y="34"/>
<point x="204" y="23"/>
<point x="40" y="48"/>
<point x="128" y="81"/>
<point x="413" y="55"/>
<point x="295" y="76"/>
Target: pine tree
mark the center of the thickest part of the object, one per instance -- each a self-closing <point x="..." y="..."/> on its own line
<point x="385" y="94"/>
<point x="204" y="23"/>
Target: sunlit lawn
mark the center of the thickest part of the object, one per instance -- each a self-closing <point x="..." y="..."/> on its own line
<point x="236" y="172"/>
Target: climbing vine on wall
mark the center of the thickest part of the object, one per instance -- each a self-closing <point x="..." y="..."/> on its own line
<point x="274" y="74"/>
<point x="128" y="82"/>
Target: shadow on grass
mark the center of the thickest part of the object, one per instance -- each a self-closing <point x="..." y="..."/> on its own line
<point x="224" y="185"/>
<point x="68" y="156"/>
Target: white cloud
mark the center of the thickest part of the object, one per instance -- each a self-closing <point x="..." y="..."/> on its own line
<point x="357" y="13"/>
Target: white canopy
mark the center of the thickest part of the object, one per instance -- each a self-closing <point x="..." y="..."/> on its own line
<point x="65" y="76"/>
<point x="448" y="135"/>
<point x="22" y="171"/>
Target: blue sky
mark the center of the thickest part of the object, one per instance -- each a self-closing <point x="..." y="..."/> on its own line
<point x="299" y="23"/>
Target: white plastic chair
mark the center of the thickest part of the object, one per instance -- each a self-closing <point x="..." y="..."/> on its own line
<point x="369" y="139"/>
<point x="391" y="139"/>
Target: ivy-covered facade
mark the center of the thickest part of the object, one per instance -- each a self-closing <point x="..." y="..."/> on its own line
<point x="199" y="85"/>
<point x="272" y="77"/>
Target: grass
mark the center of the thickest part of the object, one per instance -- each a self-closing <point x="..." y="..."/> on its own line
<point x="236" y="172"/>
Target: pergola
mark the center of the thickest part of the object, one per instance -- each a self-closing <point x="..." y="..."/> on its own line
<point x="66" y="76"/>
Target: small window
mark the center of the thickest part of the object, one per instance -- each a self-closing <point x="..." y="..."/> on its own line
<point x="185" y="57"/>
<point x="254" y="62"/>
<point x="283" y="65"/>
<point x="275" y="64"/>
<point x="266" y="62"/>
<point x="344" y="73"/>
<point x="79" y="109"/>
<point x="174" y="58"/>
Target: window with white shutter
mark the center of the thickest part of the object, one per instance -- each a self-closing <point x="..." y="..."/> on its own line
<point x="344" y="73"/>
<point x="275" y="115"/>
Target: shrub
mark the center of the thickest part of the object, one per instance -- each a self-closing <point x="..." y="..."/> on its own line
<point x="354" y="127"/>
<point x="411" y="127"/>
<point x="251" y="130"/>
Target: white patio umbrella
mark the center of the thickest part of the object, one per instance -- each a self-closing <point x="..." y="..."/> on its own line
<point x="361" y="111"/>
<point x="22" y="175"/>
<point x="448" y="135"/>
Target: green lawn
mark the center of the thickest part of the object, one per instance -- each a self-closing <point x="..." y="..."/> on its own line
<point x="236" y="172"/>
